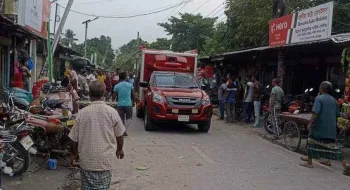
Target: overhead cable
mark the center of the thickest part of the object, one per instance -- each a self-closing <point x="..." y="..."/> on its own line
<point x="129" y="16"/>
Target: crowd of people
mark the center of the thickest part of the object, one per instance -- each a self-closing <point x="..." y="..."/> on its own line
<point x="78" y="84"/>
<point x="232" y="95"/>
<point x="322" y="128"/>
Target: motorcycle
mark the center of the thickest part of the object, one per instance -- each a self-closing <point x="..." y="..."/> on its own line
<point x="302" y="103"/>
<point x="5" y="138"/>
<point x="16" y="153"/>
<point x="50" y="135"/>
<point x="266" y="111"/>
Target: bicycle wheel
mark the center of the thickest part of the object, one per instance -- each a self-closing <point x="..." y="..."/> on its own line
<point x="292" y="137"/>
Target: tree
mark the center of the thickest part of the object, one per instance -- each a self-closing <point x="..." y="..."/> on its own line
<point x="219" y="42"/>
<point x="161" y="44"/>
<point x="102" y="47"/>
<point x="69" y="38"/>
<point x="128" y="55"/>
<point x="189" y="31"/>
<point x="248" y="20"/>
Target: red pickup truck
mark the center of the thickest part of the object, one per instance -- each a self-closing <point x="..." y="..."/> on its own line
<point x="171" y="93"/>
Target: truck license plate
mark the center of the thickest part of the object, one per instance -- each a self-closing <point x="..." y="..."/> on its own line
<point x="27" y="142"/>
<point x="184" y="118"/>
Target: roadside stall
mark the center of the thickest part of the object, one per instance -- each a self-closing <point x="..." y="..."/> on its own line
<point x="294" y="125"/>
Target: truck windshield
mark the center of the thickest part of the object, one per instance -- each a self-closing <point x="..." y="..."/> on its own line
<point x="175" y="81"/>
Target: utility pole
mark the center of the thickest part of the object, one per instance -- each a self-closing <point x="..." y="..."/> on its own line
<point x="60" y="26"/>
<point x="86" y="28"/>
<point x="137" y="50"/>
<point x="54" y="25"/>
<point x="49" y="48"/>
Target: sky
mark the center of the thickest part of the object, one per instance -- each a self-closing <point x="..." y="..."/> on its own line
<point x="123" y="30"/>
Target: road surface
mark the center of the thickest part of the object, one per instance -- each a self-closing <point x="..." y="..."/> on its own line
<point x="178" y="157"/>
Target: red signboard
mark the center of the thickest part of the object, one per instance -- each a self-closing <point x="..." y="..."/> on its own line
<point x="279" y="28"/>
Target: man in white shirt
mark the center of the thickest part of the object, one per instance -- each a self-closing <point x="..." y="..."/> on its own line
<point x="98" y="136"/>
<point x="248" y="100"/>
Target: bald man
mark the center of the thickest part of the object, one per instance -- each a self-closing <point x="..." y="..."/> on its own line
<point x="98" y="136"/>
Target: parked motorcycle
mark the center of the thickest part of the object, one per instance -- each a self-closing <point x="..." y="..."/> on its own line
<point x="302" y="103"/>
<point x="50" y="135"/>
<point x="266" y="110"/>
<point x="16" y="154"/>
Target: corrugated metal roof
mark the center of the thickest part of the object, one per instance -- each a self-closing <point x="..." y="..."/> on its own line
<point x="337" y="39"/>
<point x="18" y="28"/>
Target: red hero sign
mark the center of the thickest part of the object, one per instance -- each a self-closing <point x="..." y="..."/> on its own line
<point x="279" y="28"/>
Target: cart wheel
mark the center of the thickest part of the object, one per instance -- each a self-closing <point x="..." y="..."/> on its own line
<point x="292" y="137"/>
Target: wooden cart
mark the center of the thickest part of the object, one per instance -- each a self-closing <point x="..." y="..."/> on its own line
<point x="294" y="129"/>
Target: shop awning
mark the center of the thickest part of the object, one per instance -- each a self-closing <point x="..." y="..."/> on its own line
<point x="339" y="39"/>
<point x="8" y="26"/>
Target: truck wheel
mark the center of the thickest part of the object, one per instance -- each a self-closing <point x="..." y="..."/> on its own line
<point x="204" y="127"/>
<point x="148" y="123"/>
<point x="139" y="113"/>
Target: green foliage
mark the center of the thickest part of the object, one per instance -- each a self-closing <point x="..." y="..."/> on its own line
<point x="248" y="20"/>
<point x="69" y="38"/>
<point x="218" y="43"/>
<point x="128" y="55"/>
<point x="345" y="57"/>
<point x="161" y="44"/>
<point x="102" y="47"/>
<point x="189" y="31"/>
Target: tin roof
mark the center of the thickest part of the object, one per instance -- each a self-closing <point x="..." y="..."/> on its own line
<point x="6" y="22"/>
<point x="334" y="39"/>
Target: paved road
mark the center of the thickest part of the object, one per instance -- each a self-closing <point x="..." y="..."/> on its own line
<point x="178" y="157"/>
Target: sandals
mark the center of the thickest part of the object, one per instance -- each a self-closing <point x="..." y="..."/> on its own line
<point x="306" y="165"/>
<point x="347" y="170"/>
<point x="323" y="162"/>
<point x="326" y="163"/>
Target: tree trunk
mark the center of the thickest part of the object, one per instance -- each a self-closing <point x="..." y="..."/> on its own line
<point x="281" y="66"/>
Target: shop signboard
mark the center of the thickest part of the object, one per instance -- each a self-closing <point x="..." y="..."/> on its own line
<point x="279" y="30"/>
<point x="307" y="25"/>
<point x="312" y="24"/>
<point x="33" y="14"/>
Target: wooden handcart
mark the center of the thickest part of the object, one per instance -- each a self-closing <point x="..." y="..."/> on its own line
<point x="294" y="129"/>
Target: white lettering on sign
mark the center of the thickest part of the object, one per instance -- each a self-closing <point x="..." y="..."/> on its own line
<point x="313" y="24"/>
<point x="33" y="14"/>
<point x="279" y="26"/>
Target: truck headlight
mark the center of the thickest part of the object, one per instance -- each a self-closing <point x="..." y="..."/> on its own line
<point x="158" y="98"/>
<point x="206" y="101"/>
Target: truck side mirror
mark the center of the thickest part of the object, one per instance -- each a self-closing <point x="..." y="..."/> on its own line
<point x="144" y="84"/>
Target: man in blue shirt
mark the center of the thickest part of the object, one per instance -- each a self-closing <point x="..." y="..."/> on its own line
<point x="123" y="93"/>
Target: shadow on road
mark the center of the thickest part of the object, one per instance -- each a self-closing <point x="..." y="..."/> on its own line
<point x="176" y="128"/>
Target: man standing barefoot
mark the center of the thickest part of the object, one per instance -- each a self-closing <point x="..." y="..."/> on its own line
<point x="98" y="136"/>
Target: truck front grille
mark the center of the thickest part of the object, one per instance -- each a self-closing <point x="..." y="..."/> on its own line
<point x="185" y="101"/>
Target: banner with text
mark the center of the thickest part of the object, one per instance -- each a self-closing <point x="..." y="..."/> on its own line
<point x="307" y="25"/>
<point x="33" y="14"/>
<point x="279" y="30"/>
